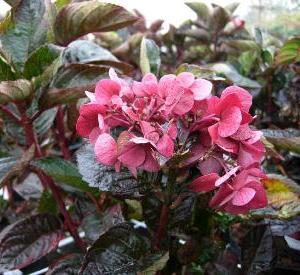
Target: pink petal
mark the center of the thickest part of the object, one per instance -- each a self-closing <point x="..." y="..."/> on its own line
<point x="95" y="133"/>
<point x="243" y="95"/>
<point x="85" y="126"/>
<point x="132" y="155"/>
<point x="151" y="163"/>
<point x="230" y="121"/>
<point x="105" y="89"/>
<point x="224" y="178"/>
<point x="243" y="196"/>
<point x="222" y="195"/>
<point x="149" y="82"/>
<point x="243" y="133"/>
<point x="185" y="104"/>
<point x="106" y="149"/>
<point x="137" y="88"/>
<point x="100" y="121"/>
<point x="201" y="89"/>
<point x="165" y="146"/>
<point x="210" y="165"/>
<point x="185" y="79"/>
<point x="172" y="130"/>
<point x="204" y="183"/>
<point x="260" y="200"/>
<point x="225" y="143"/>
<point x="232" y="100"/>
<point x="130" y="113"/>
<point x="165" y="85"/>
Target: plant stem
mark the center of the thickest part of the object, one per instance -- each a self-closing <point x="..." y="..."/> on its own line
<point x="46" y="180"/>
<point x="9" y="113"/>
<point x="62" y="208"/>
<point x="60" y="133"/>
<point x="162" y="227"/>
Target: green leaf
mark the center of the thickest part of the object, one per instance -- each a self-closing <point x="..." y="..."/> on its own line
<point x="287" y="139"/>
<point x="94" y="225"/>
<point x="149" y="57"/>
<point x="70" y="84"/>
<point x="66" y="265"/>
<point x="283" y="198"/>
<point x="232" y="7"/>
<point x="290" y="52"/>
<point x="233" y="75"/>
<point x="44" y="122"/>
<point x="13" y="3"/>
<point x="105" y="178"/>
<point x="237" y="46"/>
<point x="219" y="18"/>
<point x="84" y="51"/>
<point x="40" y="59"/>
<point x="78" y="19"/>
<point x="198" y="71"/>
<point x="47" y="203"/>
<point x="6" y="72"/>
<point x="118" y="251"/>
<point x="6" y="163"/>
<point x="18" y="167"/>
<point x="201" y="9"/>
<point x="62" y="171"/>
<point x="17" y="90"/>
<point x="247" y="61"/>
<point x="26" y="31"/>
<point x="157" y="265"/>
<point x="28" y="240"/>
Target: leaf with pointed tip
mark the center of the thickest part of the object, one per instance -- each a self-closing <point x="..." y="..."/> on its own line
<point x="201" y="9"/>
<point x="219" y="18"/>
<point x="283" y="198"/>
<point x="159" y="262"/>
<point x="62" y="171"/>
<point x="47" y="203"/>
<point x="233" y="75"/>
<point x="6" y="72"/>
<point x="26" y="31"/>
<point x="78" y="19"/>
<point x="290" y="52"/>
<point x="84" y="51"/>
<point x="199" y="71"/>
<point x="94" y="225"/>
<point x="28" y="240"/>
<point x="15" y="90"/>
<point x="66" y="265"/>
<point x="70" y="84"/>
<point x="288" y="139"/>
<point x="118" y="251"/>
<point x="40" y="59"/>
<point x="105" y="178"/>
<point x="149" y="57"/>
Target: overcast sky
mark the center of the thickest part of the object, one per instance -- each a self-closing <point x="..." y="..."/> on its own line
<point x="171" y="11"/>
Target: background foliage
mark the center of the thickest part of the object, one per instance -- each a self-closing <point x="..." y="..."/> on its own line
<point x="53" y="188"/>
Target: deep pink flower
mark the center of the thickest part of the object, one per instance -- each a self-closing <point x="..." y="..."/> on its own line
<point x="243" y="193"/>
<point x="174" y="115"/>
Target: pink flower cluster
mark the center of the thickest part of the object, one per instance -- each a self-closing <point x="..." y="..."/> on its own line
<point x="152" y="113"/>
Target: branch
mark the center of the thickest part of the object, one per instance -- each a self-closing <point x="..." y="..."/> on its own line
<point x="9" y="113"/>
<point x="60" y="133"/>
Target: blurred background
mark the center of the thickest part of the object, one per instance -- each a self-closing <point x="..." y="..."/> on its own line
<point x="280" y="17"/>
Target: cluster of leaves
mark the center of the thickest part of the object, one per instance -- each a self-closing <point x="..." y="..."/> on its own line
<point x="47" y="61"/>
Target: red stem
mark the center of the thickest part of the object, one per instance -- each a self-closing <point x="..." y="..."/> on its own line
<point x="9" y="113"/>
<point x="162" y="227"/>
<point x="62" y="208"/>
<point x="46" y="180"/>
<point x="60" y="133"/>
